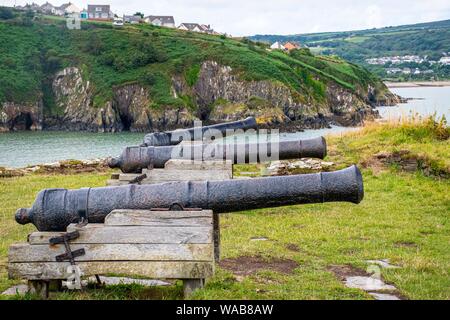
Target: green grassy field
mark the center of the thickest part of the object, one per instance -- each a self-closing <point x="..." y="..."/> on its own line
<point x="404" y="217"/>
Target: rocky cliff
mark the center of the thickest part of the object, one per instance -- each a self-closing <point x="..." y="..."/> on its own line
<point x="218" y="95"/>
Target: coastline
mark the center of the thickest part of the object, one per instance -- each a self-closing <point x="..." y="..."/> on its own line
<point x="417" y="84"/>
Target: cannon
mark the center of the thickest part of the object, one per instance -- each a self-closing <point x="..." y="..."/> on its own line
<point x="55" y="209"/>
<point x="167" y="138"/>
<point x="134" y="159"/>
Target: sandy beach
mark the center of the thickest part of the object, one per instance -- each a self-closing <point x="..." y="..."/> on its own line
<point x="416" y="84"/>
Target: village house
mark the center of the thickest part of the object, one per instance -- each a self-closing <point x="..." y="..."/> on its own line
<point x="277" y="46"/>
<point x="32" y="7"/>
<point x="161" y="21"/>
<point x="203" y="28"/>
<point x="48" y="8"/>
<point x="99" y="12"/>
<point x="290" y="46"/>
<point x="84" y="14"/>
<point x="67" y="8"/>
<point x="135" y="19"/>
<point x="190" y="27"/>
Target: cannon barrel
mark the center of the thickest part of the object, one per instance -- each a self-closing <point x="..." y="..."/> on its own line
<point x="134" y="159"/>
<point x="168" y="138"/>
<point x="55" y="209"/>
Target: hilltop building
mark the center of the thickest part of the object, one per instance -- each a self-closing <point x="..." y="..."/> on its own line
<point x="277" y="46"/>
<point x="67" y="8"/>
<point x="132" y="19"/>
<point x="99" y="12"/>
<point x="195" y="27"/>
<point x="290" y="46"/>
<point x="161" y="21"/>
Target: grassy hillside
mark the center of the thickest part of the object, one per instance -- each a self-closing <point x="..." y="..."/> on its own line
<point x="425" y="39"/>
<point x="403" y="218"/>
<point x="32" y="50"/>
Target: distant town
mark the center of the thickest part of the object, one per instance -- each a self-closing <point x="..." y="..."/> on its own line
<point x="409" y="64"/>
<point x="102" y="12"/>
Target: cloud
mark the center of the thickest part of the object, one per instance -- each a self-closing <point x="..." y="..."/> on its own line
<point x="248" y="17"/>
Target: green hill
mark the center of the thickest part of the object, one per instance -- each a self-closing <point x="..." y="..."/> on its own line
<point x="425" y="39"/>
<point x="33" y="49"/>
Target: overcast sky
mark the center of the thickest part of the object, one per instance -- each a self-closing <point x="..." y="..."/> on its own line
<point x="249" y="17"/>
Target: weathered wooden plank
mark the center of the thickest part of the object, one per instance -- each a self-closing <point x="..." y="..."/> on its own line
<point x="115" y="182"/>
<point x="151" y="269"/>
<point x="127" y="176"/>
<point x="98" y="233"/>
<point x="159" y="218"/>
<point x="179" y="164"/>
<point x="190" y="285"/>
<point x="25" y="252"/>
<point x="163" y="175"/>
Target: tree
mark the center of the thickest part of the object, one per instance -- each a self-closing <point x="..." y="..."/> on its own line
<point x="139" y="14"/>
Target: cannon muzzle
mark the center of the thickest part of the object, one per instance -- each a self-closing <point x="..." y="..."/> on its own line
<point x="134" y="159"/>
<point x="168" y="138"/>
<point x="55" y="209"/>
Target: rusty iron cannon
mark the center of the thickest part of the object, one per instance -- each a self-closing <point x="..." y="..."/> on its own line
<point x="134" y="159"/>
<point x="55" y="209"/>
<point x="168" y="138"/>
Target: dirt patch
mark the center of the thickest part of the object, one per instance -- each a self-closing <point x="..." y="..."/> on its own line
<point x="292" y="247"/>
<point x="406" y="244"/>
<point x="60" y="167"/>
<point x="244" y="266"/>
<point x="405" y="161"/>
<point x="342" y="272"/>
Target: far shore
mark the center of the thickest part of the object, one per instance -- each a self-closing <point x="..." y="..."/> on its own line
<point x="416" y="84"/>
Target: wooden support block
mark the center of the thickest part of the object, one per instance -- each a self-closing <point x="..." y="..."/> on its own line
<point x="190" y="285"/>
<point x="24" y="252"/>
<point x="39" y="287"/>
<point x="152" y="244"/>
<point x="150" y="269"/>
<point x="98" y="233"/>
<point x="178" y="164"/>
<point x="159" y="218"/>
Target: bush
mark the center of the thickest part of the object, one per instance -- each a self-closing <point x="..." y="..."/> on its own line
<point x="6" y="13"/>
<point x="439" y="128"/>
<point x="149" y="78"/>
<point x="191" y="75"/>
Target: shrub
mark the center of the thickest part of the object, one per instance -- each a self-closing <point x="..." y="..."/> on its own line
<point x="6" y="13"/>
<point x="192" y="74"/>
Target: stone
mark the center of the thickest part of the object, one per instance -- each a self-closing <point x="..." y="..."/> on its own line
<point x="368" y="284"/>
<point x="383" y="263"/>
<point x="383" y="296"/>
<point x="259" y="239"/>
<point x="20" y="289"/>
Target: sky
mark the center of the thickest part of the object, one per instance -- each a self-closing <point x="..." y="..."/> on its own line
<point x="250" y="17"/>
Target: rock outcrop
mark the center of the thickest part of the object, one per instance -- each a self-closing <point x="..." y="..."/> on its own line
<point x="17" y="117"/>
<point x="218" y="95"/>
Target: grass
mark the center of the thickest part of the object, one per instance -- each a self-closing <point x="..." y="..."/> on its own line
<point x="404" y="218"/>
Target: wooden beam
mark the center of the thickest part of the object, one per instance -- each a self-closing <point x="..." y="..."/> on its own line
<point x="25" y="252"/>
<point x="151" y="269"/>
<point x="98" y="233"/>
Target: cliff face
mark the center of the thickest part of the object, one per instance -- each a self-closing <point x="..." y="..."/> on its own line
<point x="218" y="95"/>
<point x="16" y="117"/>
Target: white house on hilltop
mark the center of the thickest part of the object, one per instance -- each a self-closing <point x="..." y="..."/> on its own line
<point x="277" y="46"/>
<point x="203" y="28"/>
<point x="161" y="21"/>
<point x="66" y="8"/>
